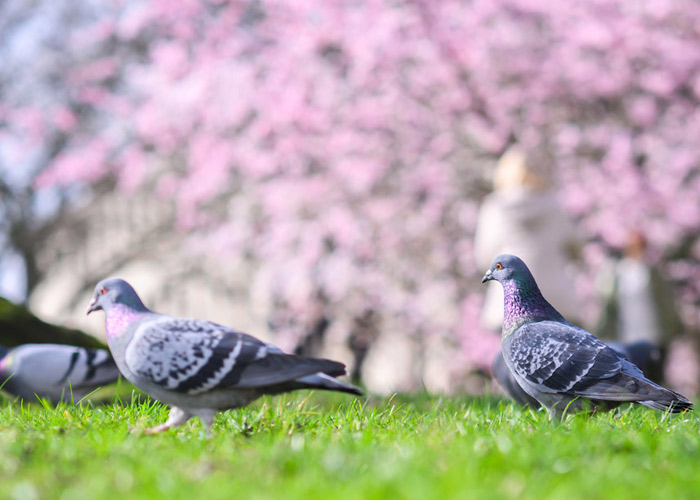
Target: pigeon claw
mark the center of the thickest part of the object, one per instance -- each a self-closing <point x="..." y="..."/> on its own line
<point x="157" y="429"/>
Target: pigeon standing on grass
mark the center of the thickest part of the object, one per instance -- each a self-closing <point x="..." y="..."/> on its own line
<point x="54" y="371"/>
<point x="198" y="367"/>
<point x="562" y="366"/>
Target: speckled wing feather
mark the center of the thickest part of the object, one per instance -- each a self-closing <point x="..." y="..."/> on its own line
<point x="194" y="356"/>
<point x="560" y="357"/>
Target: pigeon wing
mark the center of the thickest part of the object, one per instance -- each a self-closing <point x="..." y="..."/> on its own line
<point x="194" y="356"/>
<point x="88" y="368"/>
<point x="559" y="357"/>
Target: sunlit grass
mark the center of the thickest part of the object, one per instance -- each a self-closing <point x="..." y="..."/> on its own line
<point x="315" y="445"/>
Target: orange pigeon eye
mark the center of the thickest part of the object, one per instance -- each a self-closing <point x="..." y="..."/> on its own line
<point x="499" y="266"/>
<point x="103" y="291"/>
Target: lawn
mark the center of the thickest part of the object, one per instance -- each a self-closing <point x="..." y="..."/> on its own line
<point x="320" y="446"/>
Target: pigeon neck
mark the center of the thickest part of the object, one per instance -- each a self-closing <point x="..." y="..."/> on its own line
<point x="119" y="317"/>
<point x="523" y="302"/>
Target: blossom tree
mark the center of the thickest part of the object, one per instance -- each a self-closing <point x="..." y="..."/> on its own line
<point x="342" y="147"/>
<point x="37" y="119"/>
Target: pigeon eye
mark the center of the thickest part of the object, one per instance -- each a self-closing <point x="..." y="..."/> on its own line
<point x="103" y="291"/>
<point x="499" y="266"/>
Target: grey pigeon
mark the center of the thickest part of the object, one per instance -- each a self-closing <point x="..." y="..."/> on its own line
<point x="562" y="366"/>
<point x="199" y="367"/>
<point x="54" y="371"/>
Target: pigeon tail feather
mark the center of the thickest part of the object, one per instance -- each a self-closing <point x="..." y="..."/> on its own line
<point x="674" y="406"/>
<point x="328" y="383"/>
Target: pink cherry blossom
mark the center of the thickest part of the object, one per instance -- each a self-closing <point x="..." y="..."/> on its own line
<point x="345" y="146"/>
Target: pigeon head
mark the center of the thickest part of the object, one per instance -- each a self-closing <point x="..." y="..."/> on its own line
<point x="507" y="267"/>
<point x="523" y="300"/>
<point x="112" y="291"/>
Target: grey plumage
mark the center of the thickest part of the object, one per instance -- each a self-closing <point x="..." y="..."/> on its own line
<point x="642" y="354"/>
<point x="199" y="367"/>
<point x="55" y="372"/>
<point x="562" y="366"/>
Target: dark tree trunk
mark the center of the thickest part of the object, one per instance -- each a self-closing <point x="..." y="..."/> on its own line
<point x="19" y="326"/>
<point x="363" y="335"/>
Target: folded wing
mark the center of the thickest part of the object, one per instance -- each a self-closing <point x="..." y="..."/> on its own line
<point x="559" y="357"/>
<point x="194" y="356"/>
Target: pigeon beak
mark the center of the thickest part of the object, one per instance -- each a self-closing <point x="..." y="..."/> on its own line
<point x="94" y="306"/>
<point x="487" y="277"/>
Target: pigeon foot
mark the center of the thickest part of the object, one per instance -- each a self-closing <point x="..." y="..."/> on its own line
<point x="176" y="418"/>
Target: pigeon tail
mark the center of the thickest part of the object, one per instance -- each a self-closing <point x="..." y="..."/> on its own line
<point x="678" y="405"/>
<point x="328" y="383"/>
<point x="629" y="387"/>
<point x="668" y="400"/>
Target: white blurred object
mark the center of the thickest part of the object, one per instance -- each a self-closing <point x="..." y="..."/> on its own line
<point x="55" y="372"/>
<point x="522" y="217"/>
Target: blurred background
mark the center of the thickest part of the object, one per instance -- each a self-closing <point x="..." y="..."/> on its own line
<point x="336" y="176"/>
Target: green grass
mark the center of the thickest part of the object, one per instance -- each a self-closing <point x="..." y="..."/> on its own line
<point x="320" y="446"/>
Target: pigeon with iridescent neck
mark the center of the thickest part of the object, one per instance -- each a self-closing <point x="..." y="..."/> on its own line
<point x="562" y="366"/>
<point x="198" y="367"/>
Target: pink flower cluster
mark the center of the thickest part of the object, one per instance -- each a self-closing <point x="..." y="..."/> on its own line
<point x="350" y="141"/>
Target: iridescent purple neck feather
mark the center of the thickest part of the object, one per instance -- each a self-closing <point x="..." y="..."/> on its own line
<point x="118" y="318"/>
<point x="523" y="302"/>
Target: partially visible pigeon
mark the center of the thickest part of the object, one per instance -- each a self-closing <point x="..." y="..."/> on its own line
<point x="54" y="371"/>
<point x="648" y="357"/>
<point x="199" y="367"/>
<point x="643" y="354"/>
<point x="562" y="366"/>
<point x="506" y="379"/>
